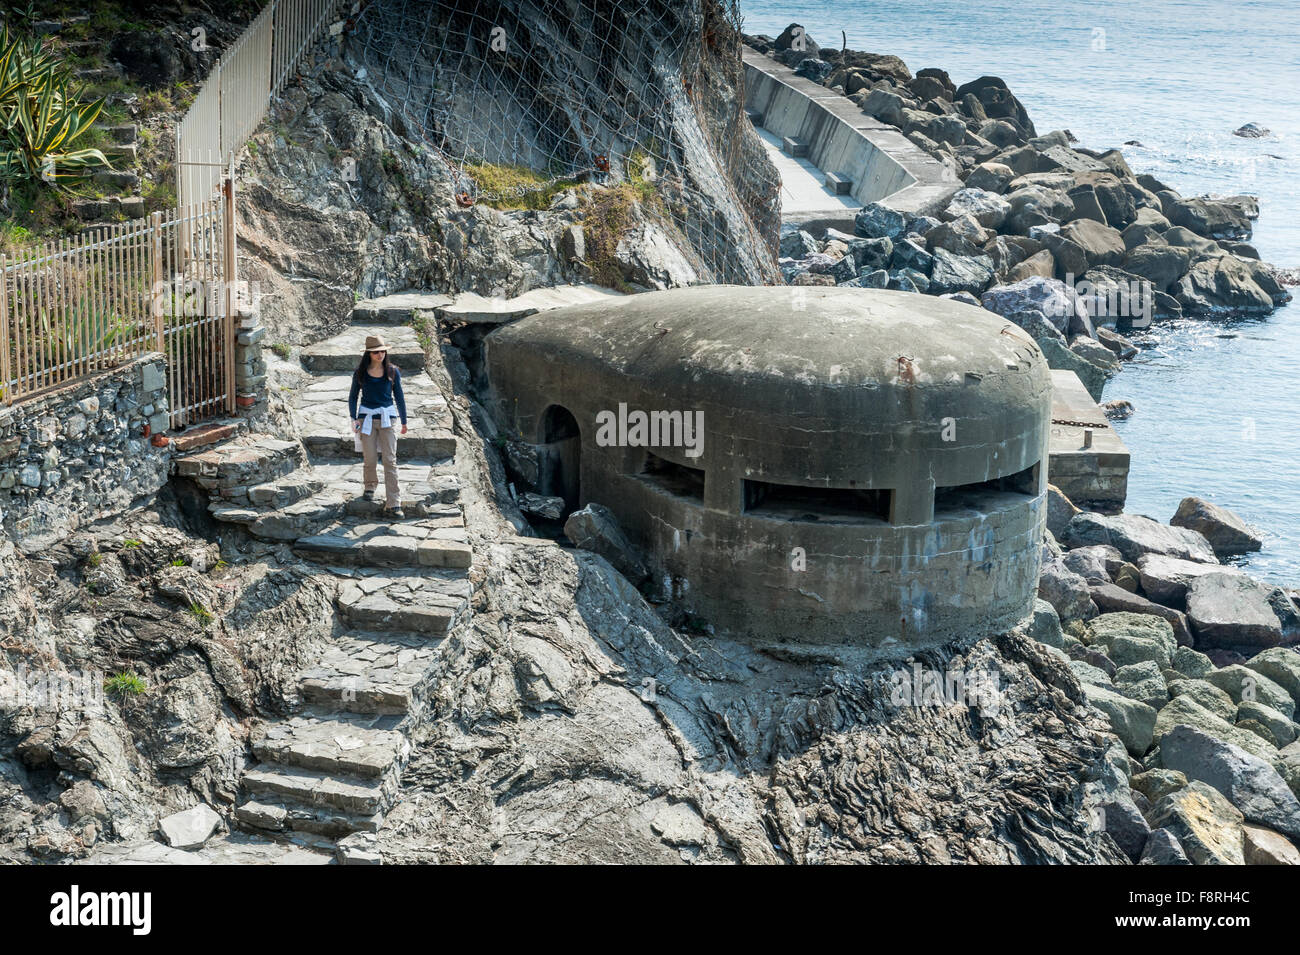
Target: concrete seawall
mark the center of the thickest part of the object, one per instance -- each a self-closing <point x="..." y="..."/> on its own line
<point x="830" y="133"/>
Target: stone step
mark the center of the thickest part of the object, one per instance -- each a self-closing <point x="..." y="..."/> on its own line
<point x="342" y="352"/>
<point x="419" y="441"/>
<point x="307" y="787"/>
<point x="342" y="745"/>
<point x="415" y="542"/>
<point x="372" y="673"/>
<point x="228" y="471"/>
<point x="279" y="816"/>
<point x="310" y="515"/>
<point x="423" y="602"/>
<point x="287" y="490"/>
<point x="398" y="309"/>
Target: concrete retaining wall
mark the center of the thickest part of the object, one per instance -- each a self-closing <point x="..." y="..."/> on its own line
<point x="883" y="164"/>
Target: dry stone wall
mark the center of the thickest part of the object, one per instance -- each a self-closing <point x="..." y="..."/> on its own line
<point x="82" y="453"/>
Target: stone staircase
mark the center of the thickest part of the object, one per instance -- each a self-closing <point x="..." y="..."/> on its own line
<point x="334" y="766"/>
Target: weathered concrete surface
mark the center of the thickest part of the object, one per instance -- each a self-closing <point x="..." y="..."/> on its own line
<point x="475" y="309"/>
<point x="897" y="410"/>
<point x="882" y="164"/>
<point x="1093" y="477"/>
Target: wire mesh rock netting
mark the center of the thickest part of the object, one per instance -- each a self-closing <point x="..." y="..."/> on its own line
<point x="520" y="99"/>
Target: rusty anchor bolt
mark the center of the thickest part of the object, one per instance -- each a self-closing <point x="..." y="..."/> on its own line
<point x="602" y="162"/>
<point x="464" y="199"/>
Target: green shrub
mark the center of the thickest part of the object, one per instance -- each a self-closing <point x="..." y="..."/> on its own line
<point x="125" y="685"/>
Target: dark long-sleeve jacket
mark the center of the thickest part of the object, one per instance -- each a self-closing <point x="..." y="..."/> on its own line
<point x="377" y="393"/>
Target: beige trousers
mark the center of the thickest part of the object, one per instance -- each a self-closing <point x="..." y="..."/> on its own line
<point x="381" y="441"/>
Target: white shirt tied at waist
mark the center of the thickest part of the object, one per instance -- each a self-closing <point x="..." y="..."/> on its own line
<point x="367" y="415"/>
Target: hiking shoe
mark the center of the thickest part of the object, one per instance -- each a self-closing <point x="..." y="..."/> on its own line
<point x="397" y="514"/>
<point x="368" y="496"/>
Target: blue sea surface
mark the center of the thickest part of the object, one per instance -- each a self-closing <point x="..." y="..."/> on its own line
<point x="1218" y="404"/>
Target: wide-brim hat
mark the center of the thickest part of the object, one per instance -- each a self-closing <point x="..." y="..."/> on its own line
<point x="375" y="343"/>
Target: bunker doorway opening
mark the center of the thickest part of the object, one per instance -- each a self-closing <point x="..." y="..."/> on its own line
<point x="560" y="464"/>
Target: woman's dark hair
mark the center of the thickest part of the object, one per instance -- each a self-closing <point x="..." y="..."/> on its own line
<point x="389" y="367"/>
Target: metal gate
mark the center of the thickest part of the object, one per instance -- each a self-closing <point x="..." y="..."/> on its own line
<point x="195" y="296"/>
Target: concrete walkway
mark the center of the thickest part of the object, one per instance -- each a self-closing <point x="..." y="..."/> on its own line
<point x="804" y="195"/>
<point x="828" y="134"/>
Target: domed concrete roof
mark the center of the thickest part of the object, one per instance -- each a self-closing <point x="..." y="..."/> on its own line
<point x="762" y="348"/>
<point x="798" y="380"/>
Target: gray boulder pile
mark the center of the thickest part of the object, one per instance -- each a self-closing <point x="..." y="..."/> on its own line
<point x="1194" y="665"/>
<point x="1032" y="207"/>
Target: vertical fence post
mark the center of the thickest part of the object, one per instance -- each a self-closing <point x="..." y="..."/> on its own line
<point x="155" y="271"/>
<point x="6" y="375"/>
<point x="231" y="277"/>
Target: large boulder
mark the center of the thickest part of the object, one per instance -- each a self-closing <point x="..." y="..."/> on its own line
<point x="1059" y="356"/>
<point x="962" y="236"/>
<point x="595" y="528"/>
<point x="1114" y="196"/>
<point x="1051" y="297"/>
<point x="1266" y="847"/>
<point x="1123" y="822"/>
<point x="870" y="254"/>
<point x="1044" y="625"/>
<point x="1133" y="722"/>
<point x="1210" y="218"/>
<point x="1162" y="848"/>
<point x="885" y="106"/>
<point x="987" y="208"/>
<point x="1183" y="709"/>
<point x="1143" y="682"/>
<point x="1232" y="610"/>
<point x="1165" y="579"/>
<point x="910" y="253"/>
<point x="1112" y="598"/>
<point x="1280" y="730"/>
<point x="191" y="828"/>
<point x="1227" y="533"/>
<point x="1221" y="286"/>
<point x="875" y="221"/>
<point x="998" y="102"/>
<point x="1101" y="244"/>
<point x="1206" y="825"/>
<point x="1191" y="663"/>
<point x="958" y="273"/>
<point x="1205" y="694"/>
<point x="1066" y="591"/>
<point x="1042" y="264"/>
<point x="1095" y="564"/>
<point x="1242" y="683"/>
<point x="1136" y="535"/>
<point x="1282" y="666"/>
<point x="1249" y="783"/>
<point x="991" y="177"/>
<point x="1161" y="265"/>
<point x="1060" y="509"/>
<point x="1134" y="637"/>
<point x="1035" y="205"/>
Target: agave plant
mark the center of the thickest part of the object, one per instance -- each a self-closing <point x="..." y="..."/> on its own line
<point x="20" y="60"/>
<point x="42" y="118"/>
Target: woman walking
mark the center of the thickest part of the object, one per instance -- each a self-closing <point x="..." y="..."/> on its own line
<point x="378" y="385"/>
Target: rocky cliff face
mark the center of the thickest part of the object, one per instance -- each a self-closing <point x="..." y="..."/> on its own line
<point x="212" y="646"/>
<point x="345" y="195"/>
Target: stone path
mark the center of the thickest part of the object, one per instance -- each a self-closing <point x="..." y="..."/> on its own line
<point x="333" y="767"/>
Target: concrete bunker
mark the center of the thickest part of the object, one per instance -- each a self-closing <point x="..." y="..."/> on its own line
<point x="870" y="466"/>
